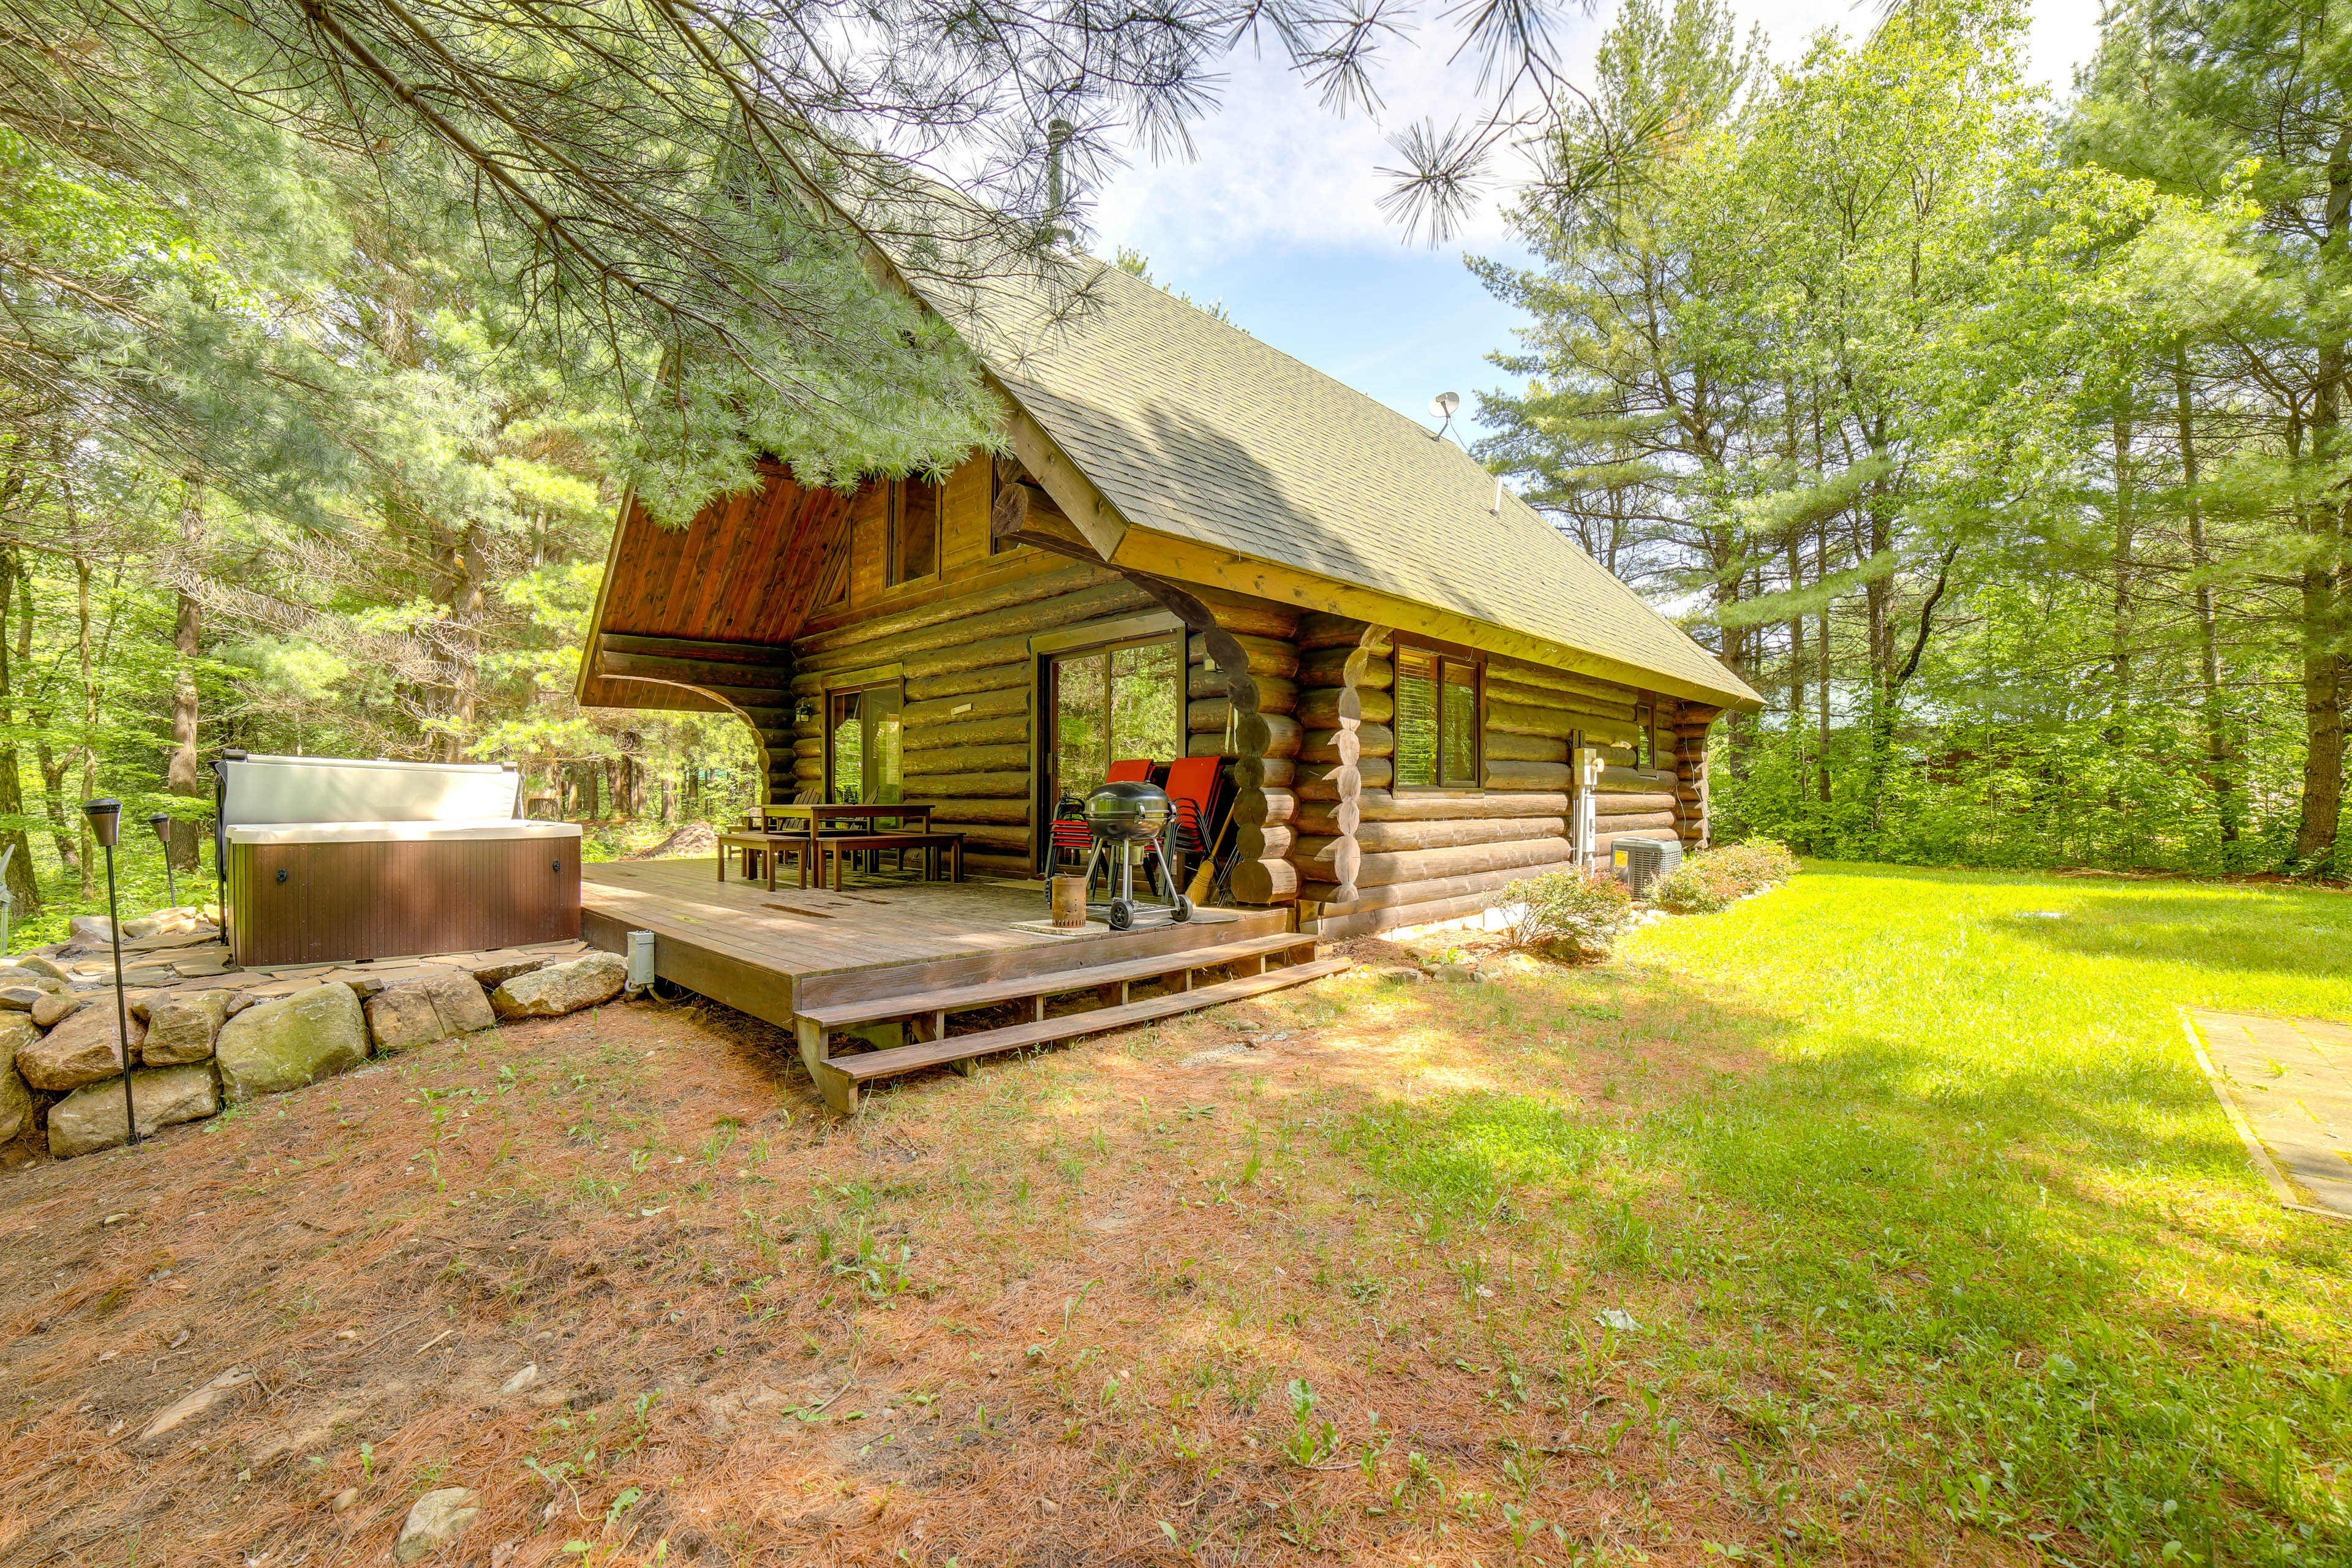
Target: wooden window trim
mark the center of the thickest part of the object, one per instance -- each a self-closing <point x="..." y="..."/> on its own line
<point x="1647" y="707"/>
<point x="1440" y="653"/>
<point x="850" y="685"/>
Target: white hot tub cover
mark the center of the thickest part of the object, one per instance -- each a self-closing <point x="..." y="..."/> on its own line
<point x="396" y="832"/>
<point x="282" y="791"/>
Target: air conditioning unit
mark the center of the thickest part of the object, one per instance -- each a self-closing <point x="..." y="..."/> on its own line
<point x="1639" y="862"/>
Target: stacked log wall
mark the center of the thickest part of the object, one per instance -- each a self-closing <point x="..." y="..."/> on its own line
<point x="1425" y="857"/>
<point x="966" y="726"/>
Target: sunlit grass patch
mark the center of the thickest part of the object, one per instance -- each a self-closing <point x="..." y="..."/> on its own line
<point x="1978" y="1210"/>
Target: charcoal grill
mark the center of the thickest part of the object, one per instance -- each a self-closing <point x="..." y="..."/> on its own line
<point x="1129" y="823"/>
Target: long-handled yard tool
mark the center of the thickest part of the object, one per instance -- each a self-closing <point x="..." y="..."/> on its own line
<point x="1206" y="877"/>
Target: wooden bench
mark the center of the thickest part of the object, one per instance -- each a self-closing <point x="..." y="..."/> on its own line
<point x="839" y="844"/>
<point x="768" y="845"/>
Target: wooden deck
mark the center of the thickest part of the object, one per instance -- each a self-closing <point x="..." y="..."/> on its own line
<point x="890" y="959"/>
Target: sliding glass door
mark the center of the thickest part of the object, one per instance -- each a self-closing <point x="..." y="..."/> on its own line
<point x="1113" y="704"/>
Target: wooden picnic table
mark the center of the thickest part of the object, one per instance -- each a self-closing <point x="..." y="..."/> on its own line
<point x="806" y="824"/>
<point x="815" y="815"/>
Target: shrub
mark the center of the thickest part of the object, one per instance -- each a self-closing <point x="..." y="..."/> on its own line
<point x="1578" y="912"/>
<point x="1712" y="880"/>
<point x="1759" y="862"/>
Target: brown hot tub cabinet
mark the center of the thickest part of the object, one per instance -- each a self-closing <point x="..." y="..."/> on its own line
<point x="328" y="861"/>
<point x="332" y="892"/>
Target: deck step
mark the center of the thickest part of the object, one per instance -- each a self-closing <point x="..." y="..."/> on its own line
<point x="900" y="1059"/>
<point x="1051" y="983"/>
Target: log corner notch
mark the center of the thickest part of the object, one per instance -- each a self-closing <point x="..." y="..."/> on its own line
<point x="1363" y="643"/>
<point x="1692" y="821"/>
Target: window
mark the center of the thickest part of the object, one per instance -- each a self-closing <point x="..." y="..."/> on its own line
<point x="914" y="544"/>
<point x="1650" y="750"/>
<point x="862" y="745"/>
<point x="1436" y="720"/>
<point x="1115" y="704"/>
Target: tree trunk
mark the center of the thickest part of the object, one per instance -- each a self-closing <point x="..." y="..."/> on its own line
<point x="2220" y="775"/>
<point x="24" y="888"/>
<point x="2119" y="656"/>
<point x="2322" y="628"/>
<point x="463" y="571"/>
<point x="2323" y="715"/>
<point x="183" y="776"/>
<point x="1797" y="671"/>
<point x="89" y="722"/>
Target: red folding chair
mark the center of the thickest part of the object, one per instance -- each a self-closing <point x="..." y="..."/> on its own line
<point x="1193" y="791"/>
<point x="1193" y="787"/>
<point x="1131" y="770"/>
<point x="1070" y="835"/>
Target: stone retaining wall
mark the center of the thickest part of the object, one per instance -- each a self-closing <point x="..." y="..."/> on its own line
<point x="223" y="1036"/>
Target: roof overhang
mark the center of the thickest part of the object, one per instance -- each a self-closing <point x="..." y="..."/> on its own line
<point x="1188" y="560"/>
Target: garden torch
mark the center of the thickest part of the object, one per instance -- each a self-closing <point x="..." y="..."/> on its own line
<point x="106" y="826"/>
<point x="161" y="823"/>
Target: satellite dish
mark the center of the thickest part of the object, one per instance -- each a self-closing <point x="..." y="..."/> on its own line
<point x="1442" y="406"/>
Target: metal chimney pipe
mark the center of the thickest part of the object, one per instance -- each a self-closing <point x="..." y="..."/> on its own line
<point x="1057" y="136"/>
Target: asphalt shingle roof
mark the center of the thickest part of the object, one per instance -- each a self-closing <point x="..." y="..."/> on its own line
<point x="1193" y="427"/>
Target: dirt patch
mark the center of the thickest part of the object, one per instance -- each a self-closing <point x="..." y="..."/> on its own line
<point x="692" y="841"/>
<point x="620" y="1275"/>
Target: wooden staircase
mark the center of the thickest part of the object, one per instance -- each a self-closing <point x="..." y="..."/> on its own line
<point x="1259" y="965"/>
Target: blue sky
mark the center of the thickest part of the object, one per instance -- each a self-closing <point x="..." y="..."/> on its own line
<point x="1276" y="215"/>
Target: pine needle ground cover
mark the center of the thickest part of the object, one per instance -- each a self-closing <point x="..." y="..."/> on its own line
<point x="1882" y="1218"/>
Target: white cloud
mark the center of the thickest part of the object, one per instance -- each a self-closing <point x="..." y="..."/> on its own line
<point x="1277" y="172"/>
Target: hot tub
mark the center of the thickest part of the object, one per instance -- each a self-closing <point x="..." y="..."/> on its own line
<point x="330" y="860"/>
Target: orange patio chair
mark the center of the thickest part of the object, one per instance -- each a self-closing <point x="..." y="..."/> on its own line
<point x="1193" y="787"/>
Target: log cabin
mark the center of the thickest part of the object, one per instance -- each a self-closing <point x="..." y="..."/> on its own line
<point x="1189" y="545"/>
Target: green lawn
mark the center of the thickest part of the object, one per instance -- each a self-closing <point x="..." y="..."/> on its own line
<point x="1877" y="1220"/>
<point x="1976" y="1232"/>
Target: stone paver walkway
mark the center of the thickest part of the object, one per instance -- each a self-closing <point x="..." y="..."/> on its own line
<point x="2291" y="1080"/>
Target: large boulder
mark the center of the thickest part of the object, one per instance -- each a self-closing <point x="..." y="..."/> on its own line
<point x="562" y="988"/>
<point x="15" y="1099"/>
<point x="182" y="1028"/>
<point x="419" y="1012"/>
<point x="83" y="1049"/>
<point x="290" y="1042"/>
<point x="90" y="1119"/>
<point x="91" y="929"/>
